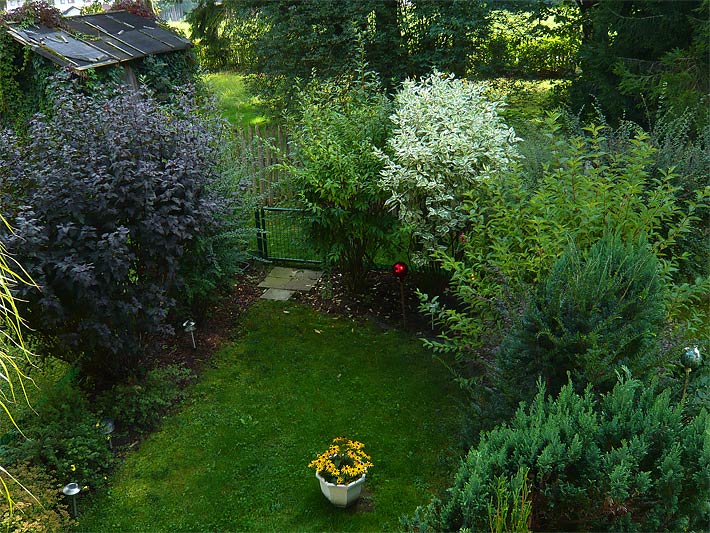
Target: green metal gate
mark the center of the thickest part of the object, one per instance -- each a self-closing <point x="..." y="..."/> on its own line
<point x="281" y="236"/>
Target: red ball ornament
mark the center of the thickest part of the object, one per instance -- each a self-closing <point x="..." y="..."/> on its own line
<point x="400" y="269"/>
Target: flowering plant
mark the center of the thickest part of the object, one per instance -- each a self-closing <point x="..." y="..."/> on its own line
<point x="343" y="462"/>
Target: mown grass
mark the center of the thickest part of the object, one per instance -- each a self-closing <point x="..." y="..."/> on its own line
<point x="236" y="104"/>
<point x="235" y="457"/>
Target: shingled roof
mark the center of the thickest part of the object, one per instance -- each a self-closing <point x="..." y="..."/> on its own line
<point x="92" y="41"/>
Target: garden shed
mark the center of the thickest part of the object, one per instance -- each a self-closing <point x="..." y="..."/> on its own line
<point x="99" y="40"/>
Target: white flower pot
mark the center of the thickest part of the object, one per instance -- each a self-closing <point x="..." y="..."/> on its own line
<point x="341" y="495"/>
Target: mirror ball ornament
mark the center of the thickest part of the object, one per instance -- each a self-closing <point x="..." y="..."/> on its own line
<point x="691" y="358"/>
<point x="400" y="269"/>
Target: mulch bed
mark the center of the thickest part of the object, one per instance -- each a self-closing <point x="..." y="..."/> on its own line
<point x="380" y="303"/>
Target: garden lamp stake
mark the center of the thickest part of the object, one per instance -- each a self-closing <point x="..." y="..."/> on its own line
<point x="404" y="313"/>
<point x="72" y="489"/>
<point x="189" y="326"/>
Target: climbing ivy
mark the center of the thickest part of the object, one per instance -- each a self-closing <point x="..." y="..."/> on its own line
<point x="30" y="82"/>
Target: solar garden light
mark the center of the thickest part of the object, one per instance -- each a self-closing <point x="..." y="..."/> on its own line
<point x="400" y="271"/>
<point x="189" y="326"/>
<point x="107" y="427"/>
<point x="72" y="489"/>
<point x="432" y="311"/>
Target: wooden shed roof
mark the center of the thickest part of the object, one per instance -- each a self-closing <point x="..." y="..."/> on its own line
<point x="92" y="41"/>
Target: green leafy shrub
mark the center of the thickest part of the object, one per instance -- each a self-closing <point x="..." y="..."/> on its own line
<point x="335" y="170"/>
<point x="592" y="313"/>
<point x="624" y="462"/>
<point x="448" y="138"/>
<point x="516" y="232"/>
<point x="139" y="407"/>
<point x="224" y="251"/>
<point x="45" y="512"/>
<point x="64" y="437"/>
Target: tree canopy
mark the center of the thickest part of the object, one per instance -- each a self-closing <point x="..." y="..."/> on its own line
<point x="283" y="41"/>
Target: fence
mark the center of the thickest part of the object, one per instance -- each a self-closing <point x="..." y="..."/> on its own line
<point x="263" y="147"/>
<point x="281" y="236"/>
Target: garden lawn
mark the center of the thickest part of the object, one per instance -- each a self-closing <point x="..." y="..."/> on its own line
<point x="235" y="457"/>
<point x="236" y="105"/>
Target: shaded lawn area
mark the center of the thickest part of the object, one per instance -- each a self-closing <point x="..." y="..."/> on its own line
<point x="236" y="105"/>
<point x="235" y="456"/>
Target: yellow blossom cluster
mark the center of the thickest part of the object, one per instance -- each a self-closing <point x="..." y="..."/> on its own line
<point x="343" y="462"/>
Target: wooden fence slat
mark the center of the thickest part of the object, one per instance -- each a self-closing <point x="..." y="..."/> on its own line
<point x="263" y="147"/>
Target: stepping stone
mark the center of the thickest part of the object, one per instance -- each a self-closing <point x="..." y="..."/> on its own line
<point x="280" y="295"/>
<point x="281" y="272"/>
<point x="314" y="275"/>
<point x="291" y="279"/>
<point x="281" y="282"/>
<point x="300" y="284"/>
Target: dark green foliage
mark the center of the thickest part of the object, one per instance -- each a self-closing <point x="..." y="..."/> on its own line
<point x="64" y="437"/>
<point x="625" y="462"/>
<point x="641" y="44"/>
<point x="107" y="198"/>
<point x="442" y="34"/>
<point x="282" y="41"/>
<point x="163" y="73"/>
<point x="336" y="172"/>
<point x="140" y="406"/>
<point x="591" y="314"/>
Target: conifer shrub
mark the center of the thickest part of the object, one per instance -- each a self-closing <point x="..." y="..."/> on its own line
<point x="41" y="507"/>
<point x="592" y="313"/>
<point x="627" y="461"/>
<point x="63" y="438"/>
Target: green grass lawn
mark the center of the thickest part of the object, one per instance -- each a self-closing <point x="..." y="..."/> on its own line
<point x="236" y="104"/>
<point x="235" y="456"/>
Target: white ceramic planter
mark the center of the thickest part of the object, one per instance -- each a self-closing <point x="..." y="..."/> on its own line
<point x="341" y="495"/>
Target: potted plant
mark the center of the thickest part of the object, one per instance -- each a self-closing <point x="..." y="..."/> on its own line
<point x="341" y="471"/>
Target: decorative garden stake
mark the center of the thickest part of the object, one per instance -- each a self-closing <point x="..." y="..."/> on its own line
<point x="400" y="270"/>
<point x="72" y="489"/>
<point x="107" y="427"/>
<point x="189" y="326"/>
<point x="691" y="360"/>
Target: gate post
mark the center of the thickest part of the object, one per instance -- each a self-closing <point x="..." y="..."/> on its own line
<point x="261" y="232"/>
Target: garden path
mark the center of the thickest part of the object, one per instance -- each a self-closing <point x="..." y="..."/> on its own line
<point x="282" y="283"/>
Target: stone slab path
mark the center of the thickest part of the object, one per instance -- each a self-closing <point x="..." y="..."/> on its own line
<point x="282" y="282"/>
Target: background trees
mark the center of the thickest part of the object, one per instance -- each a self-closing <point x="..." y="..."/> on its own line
<point x="627" y="54"/>
<point x="280" y="42"/>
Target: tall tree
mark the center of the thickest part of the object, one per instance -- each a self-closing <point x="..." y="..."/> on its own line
<point x="629" y="34"/>
<point x="304" y="39"/>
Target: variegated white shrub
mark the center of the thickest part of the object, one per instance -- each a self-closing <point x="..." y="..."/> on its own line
<point x="447" y="137"/>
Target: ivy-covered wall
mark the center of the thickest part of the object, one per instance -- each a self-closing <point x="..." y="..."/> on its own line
<point x="28" y="81"/>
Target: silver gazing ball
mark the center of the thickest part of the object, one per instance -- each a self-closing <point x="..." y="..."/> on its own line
<point x="691" y="358"/>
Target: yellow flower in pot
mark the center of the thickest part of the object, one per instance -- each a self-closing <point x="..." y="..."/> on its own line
<point x="341" y="471"/>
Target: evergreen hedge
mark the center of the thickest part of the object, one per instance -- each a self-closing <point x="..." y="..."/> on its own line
<point x="627" y="461"/>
